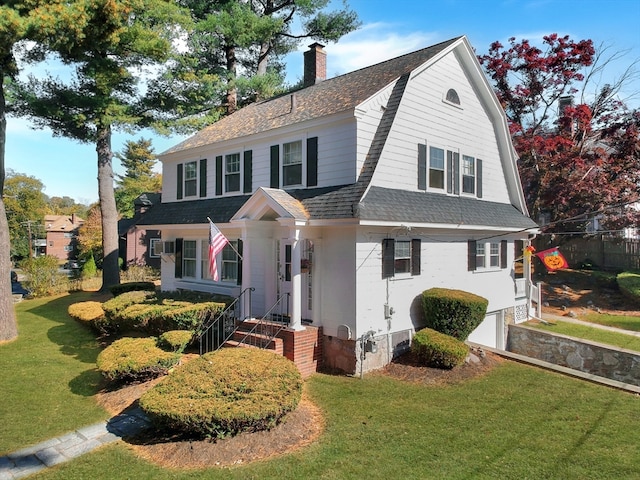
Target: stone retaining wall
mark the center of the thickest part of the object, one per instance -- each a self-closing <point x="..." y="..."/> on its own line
<point x="590" y="357"/>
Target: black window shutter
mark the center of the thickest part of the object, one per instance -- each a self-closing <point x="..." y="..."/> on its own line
<point x="388" y="257"/>
<point x="275" y="167"/>
<point x="422" y="166"/>
<point x="203" y="177"/>
<point x="471" y="255"/>
<point x="449" y="171"/>
<point x="415" y="256"/>
<point x="219" y="175"/>
<point x="248" y="171"/>
<point x="456" y="173"/>
<point x="479" y="178"/>
<point x="503" y="253"/>
<point x="178" y="258"/>
<point x="312" y="162"/>
<point x="239" y="248"/>
<point x="180" y="182"/>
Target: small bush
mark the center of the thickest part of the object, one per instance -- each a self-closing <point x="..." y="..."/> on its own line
<point x="175" y="340"/>
<point x="453" y="312"/>
<point x="132" y="287"/>
<point x="438" y="350"/>
<point x="90" y="313"/>
<point x="225" y="392"/>
<point x="135" y="359"/>
<point x="43" y="276"/>
<point x="629" y="284"/>
<point x="89" y="269"/>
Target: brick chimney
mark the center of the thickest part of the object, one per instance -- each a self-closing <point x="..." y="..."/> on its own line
<point x="315" y="64"/>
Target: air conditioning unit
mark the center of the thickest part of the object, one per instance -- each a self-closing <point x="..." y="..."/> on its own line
<point x="164" y="247"/>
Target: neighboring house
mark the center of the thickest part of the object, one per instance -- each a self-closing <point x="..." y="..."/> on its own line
<point x="353" y="195"/>
<point x="62" y="235"/>
<point x="137" y="245"/>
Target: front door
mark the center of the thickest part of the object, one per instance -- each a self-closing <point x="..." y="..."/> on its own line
<point x="284" y="270"/>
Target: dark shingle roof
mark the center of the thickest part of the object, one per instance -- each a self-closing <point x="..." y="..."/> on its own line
<point x="330" y="203"/>
<point x="328" y="97"/>
<point x="385" y="204"/>
<point x="219" y="210"/>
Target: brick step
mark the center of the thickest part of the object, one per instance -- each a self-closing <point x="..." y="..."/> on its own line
<point x="256" y="340"/>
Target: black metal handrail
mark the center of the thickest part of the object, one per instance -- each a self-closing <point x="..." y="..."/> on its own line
<point x="266" y="328"/>
<point x="213" y="333"/>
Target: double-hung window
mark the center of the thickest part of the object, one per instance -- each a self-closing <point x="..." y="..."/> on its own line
<point x="232" y="173"/>
<point x="436" y="168"/>
<point x="189" y="258"/>
<point x="487" y="255"/>
<point x="400" y="257"/>
<point x="190" y="179"/>
<point x="154" y="247"/>
<point x="292" y="163"/>
<point x="230" y="262"/>
<point x="468" y="174"/>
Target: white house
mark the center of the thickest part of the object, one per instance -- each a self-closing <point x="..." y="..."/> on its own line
<point x="355" y="194"/>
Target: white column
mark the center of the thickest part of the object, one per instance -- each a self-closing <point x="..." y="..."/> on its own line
<point x="296" y="281"/>
<point x="246" y="271"/>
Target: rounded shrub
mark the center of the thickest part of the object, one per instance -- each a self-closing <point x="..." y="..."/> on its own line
<point x="629" y="284"/>
<point x="175" y="340"/>
<point x="435" y="349"/>
<point x="453" y="312"/>
<point x="225" y="392"/>
<point x="135" y="359"/>
<point x="90" y="313"/>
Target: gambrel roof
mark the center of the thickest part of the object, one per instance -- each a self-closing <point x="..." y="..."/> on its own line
<point x="328" y="97"/>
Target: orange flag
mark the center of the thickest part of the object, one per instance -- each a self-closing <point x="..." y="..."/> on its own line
<point x="552" y="259"/>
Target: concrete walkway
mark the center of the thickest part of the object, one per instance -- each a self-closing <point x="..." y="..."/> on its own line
<point x="71" y="445"/>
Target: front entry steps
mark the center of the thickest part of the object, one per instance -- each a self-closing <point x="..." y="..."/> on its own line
<point x="302" y="347"/>
<point x="257" y="333"/>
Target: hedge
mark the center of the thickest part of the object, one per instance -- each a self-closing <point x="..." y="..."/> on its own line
<point x="629" y="284"/>
<point x="435" y="349"/>
<point x="225" y="392"/>
<point x="135" y="359"/>
<point x="453" y="312"/>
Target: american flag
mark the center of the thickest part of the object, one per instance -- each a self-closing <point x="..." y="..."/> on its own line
<point x="217" y="242"/>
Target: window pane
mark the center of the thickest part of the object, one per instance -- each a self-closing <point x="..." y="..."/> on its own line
<point x="204" y="260"/>
<point x="292" y="175"/>
<point x="494" y="254"/>
<point x="189" y="258"/>
<point x="230" y="262"/>
<point x="480" y="255"/>
<point x="436" y="167"/>
<point x="468" y="174"/>
<point x="292" y="153"/>
<point x="402" y="255"/>
<point x="190" y="179"/>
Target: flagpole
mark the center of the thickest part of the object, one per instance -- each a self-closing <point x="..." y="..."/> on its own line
<point x="230" y="244"/>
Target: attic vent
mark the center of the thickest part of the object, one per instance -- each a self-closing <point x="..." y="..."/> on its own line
<point x="452" y="96"/>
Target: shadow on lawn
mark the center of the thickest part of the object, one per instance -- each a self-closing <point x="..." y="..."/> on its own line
<point x="74" y="339"/>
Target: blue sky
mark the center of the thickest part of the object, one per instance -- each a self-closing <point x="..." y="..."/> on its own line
<point x="388" y="29"/>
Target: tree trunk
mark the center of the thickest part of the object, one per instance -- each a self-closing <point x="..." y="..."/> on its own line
<point x="106" y="195"/>
<point x="232" y="92"/>
<point x="8" y="323"/>
<point x="263" y="58"/>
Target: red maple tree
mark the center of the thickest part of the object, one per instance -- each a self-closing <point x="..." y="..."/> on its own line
<point x="579" y="153"/>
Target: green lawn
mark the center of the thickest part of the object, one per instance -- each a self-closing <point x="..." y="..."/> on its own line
<point x="626" y="322"/>
<point x="517" y="422"/>
<point x="588" y="332"/>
